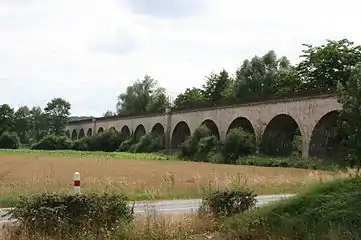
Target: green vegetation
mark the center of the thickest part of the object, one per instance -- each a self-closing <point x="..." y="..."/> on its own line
<point x="329" y="210"/>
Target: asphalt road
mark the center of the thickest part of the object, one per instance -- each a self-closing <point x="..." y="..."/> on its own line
<point x="171" y="206"/>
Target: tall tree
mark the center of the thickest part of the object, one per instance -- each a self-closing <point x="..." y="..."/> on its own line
<point x="190" y="97"/>
<point x="40" y="124"/>
<point x="326" y="65"/>
<point x="22" y="119"/>
<point x="58" y="112"/>
<point x="217" y="86"/>
<point x="140" y="97"/>
<point x="6" y="118"/>
<point x="109" y="113"/>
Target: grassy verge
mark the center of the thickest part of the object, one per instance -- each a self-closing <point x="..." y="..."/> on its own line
<point x="330" y="210"/>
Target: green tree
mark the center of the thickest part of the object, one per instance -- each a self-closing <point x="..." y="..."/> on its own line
<point x="22" y="118"/>
<point x="326" y="65"/>
<point x="109" y="113"/>
<point x="190" y="97"/>
<point x="141" y="97"/>
<point x="217" y="86"/>
<point x="350" y="98"/>
<point x="40" y="123"/>
<point x="259" y="76"/>
<point x="58" y="112"/>
<point x="6" y="118"/>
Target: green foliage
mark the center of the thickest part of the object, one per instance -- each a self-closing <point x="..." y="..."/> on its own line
<point x="216" y="86"/>
<point x="53" y="142"/>
<point x="63" y="216"/>
<point x="6" y="118"/>
<point x="206" y="148"/>
<point x="350" y="117"/>
<point x="149" y="143"/>
<point x="238" y="143"/>
<point x="225" y="203"/>
<point x="22" y="118"/>
<point x="9" y="140"/>
<point x="107" y="141"/>
<point x="190" y="146"/>
<point x="190" y="97"/>
<point x="327" y="209"/>
<point x="58" y="111"/>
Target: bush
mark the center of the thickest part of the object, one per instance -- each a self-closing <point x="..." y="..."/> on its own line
<point x="225" y="203"/>
<point x="107" y="141"/>
<point x="127" y="145"/>
<point x="190" y="146"/>
<point x="9" y="140"/>
<point x="53" y="142"/>
<point x="149" y="143"/>
<point x="207" y="147"/>
<point x="238" y="143"/>
<point x="64" y="216"/>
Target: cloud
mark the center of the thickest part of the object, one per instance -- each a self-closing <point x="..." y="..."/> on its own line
<point x="89" y="51"/>
<point x="167" y="8"/>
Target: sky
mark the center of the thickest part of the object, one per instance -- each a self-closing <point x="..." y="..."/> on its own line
<point x="89" y="51"/>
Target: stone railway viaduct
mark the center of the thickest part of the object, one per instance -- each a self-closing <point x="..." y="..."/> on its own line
<point x="314" y="116"/>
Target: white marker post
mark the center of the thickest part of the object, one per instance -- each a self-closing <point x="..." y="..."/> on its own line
<point x="77" y="182"/>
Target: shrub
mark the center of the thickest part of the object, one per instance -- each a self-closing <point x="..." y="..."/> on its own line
<point x="80" y="145"/>
<point x="190" y="146"/>
<point x="149" y="143"/>
<point x="9" y="140"/>
<point x="207" y="147"/>
<point x="64" y="216"/>
<point x="107" y="141"/>
<point x="127" y="145"/>
<point x="53" y="142"/>
<point x="225" y="203"/>
<point x="238" y="143"/>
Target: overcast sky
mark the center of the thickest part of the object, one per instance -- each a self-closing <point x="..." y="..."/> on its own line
<point x="88" y="51"/>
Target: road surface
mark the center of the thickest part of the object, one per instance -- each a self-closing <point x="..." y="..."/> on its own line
<point x="172" y="207"/>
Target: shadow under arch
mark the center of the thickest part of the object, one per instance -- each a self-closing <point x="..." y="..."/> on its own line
<point x="74" y="135"/>
<point x="326" y="140"/>
<point x="241" y="122"/>
<point x="139" y="131"/>
<point x="180" y="133"/>
<point x="125" y="131"/>
<point x="89" y="132"/>
<point x="212" y="126"/>
<point x="100" y="130"/>
<point x="282" y="137"/>
<point x="158" y="129"/>
<point x="81" y="133"/>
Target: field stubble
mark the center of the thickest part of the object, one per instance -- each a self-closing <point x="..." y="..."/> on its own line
<point x="23" y="173"/>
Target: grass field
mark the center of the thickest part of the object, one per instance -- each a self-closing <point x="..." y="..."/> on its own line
<point x="140" y="176"/>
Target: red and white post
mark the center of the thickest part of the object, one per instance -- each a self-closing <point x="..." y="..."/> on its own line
<point x="77" y="182"/>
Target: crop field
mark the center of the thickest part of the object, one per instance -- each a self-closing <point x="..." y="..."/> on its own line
<point x="140" y="176"/>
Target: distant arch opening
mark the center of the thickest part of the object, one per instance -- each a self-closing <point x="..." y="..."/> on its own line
<point x="112" y="129"/>
<point x="282" y="137"/>
<point x="81" y="133"/>
<point x="158" y="129"/>
<point x="100" y="130"/>
<point x="89" y="132"/>
<point x="67" y="133"/>
<point x="326" y="140"/>
<point x="74" y="135"/>
<point x="211" y="125"/>
<point x="125" y="130"/>
<point x="139" y="131"/>
<point x="180" y="134"/>
<point x="242" y="123"/>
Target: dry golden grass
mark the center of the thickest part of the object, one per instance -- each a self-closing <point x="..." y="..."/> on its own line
<point x="142" y="179"/>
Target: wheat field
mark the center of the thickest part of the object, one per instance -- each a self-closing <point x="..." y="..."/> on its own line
<point x="23" y="173"/>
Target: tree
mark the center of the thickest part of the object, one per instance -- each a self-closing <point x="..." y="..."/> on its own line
<point x="22" y="119"/>
<point x="109" y="113"/>
<point x="6" y="118"/>
<point x="142" y="97"/>
<point x="190" y="97"/>
<point x="217" y="86"/>
<point x="58" y="111"/>
<point x="259" y="76"/>
<point x="39" y="123"/>
<point x="326" y="65"/>
<point x="350" y="98"/>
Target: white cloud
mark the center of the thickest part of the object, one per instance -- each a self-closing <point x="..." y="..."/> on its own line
<point x="88" y="51"/>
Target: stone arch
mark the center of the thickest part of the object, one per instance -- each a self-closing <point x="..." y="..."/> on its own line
<point x="81" y="133"/>
<point x="282" y="137"/>
<point x="158" y="129"/>
<point x="112" y="129"/>
<point x="74" y="135"/>
<point x="89" y="132"/>
<point x="180" y="133"/>
<point x="100" y="130"/>
<point x="241" y="122"/>
<point x="139" y="131"/>
<point x="325" y="141"/>
<point x="125" y="130"/>
<point x="67" y="133"/>
<point x="212" y="126"/>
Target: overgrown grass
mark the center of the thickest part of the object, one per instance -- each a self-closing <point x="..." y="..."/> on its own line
<point x="330" y="210"/>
